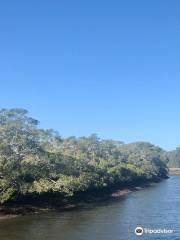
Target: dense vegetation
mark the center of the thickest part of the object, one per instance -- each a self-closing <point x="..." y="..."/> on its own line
<point x="174" y="158"/>
<point x="34" y="161"/>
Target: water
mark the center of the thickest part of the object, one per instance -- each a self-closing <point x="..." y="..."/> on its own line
<point x="157" y="206"/>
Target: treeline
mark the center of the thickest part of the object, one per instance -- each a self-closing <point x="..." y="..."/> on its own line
<point x="34" y="161"/>
<point x="174" y="158"/>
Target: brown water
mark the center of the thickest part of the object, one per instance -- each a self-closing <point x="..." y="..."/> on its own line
<point x="154" y="207"/>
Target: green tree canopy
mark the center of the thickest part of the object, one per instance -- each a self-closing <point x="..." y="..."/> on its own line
<point x="35" y="161"/>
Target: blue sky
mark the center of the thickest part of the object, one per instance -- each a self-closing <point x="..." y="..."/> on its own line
<point x="96" y="66"/>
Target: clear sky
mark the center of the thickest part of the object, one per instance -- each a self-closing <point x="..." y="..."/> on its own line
<point x="96" y="66"/>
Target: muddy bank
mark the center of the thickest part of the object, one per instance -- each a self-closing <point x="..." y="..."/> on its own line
<point x="55" y="203"/>
<point x="6" y="216"/>
<point x="174" y="171"/>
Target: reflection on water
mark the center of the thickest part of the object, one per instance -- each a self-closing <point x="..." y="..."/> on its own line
<point x="154" y="207"/>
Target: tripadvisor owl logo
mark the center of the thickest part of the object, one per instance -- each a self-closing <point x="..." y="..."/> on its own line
<point x="139" y="231"/>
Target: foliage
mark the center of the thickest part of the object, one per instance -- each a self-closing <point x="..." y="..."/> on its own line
<point x="37" y="161"/>
<point x="174" y="158"/>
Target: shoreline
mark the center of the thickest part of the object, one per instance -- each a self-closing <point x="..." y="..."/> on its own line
<point x="14" y="210"/>
<point x="174" y="171"/>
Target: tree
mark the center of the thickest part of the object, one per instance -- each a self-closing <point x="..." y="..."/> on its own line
<point x="35" y="161"/>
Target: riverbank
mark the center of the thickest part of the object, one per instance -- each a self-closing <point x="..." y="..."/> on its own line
<point x="56" y="204"/>
<point x="174" y="171"/>
<point x="6" y="216"/>
<point x="14" y="210"/>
